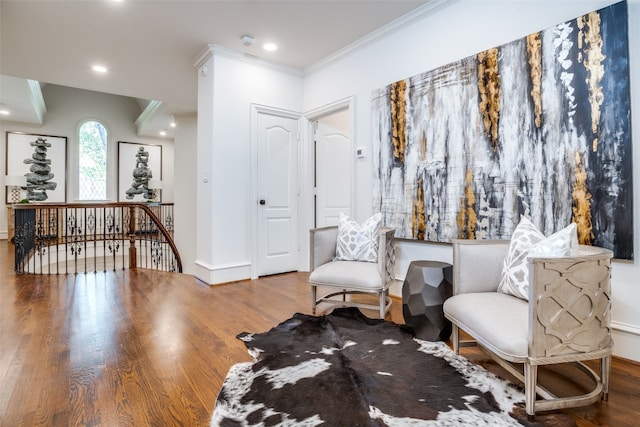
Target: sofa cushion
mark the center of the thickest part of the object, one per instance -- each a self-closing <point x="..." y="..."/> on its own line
<point x="496" y="320"/>
<point x="352" y="274"/>
<point x="358" y="242"/>
<point x="528" y="241"/>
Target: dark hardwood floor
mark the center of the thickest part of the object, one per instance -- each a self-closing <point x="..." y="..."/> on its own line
<point x="145" y="348"/>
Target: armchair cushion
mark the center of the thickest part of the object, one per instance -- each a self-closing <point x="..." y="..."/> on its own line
<point x="363" y="276"/>
<point x="528" y="241"/>
<point x="499" y="321"/>
<point x="358" y="242"/>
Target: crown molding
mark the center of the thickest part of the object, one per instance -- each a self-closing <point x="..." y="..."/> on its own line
<point x="37" y="100"/>
<point x="212" y="50"/>
<point x="150" y="111"/>
<point x="428" y="9"/>
<point x="205" y="54"/>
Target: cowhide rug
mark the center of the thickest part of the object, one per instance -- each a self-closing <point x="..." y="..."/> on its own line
<point x="344" y="369"/>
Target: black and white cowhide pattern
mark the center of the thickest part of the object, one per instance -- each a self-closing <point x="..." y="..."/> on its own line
<point x="344" y="369"/>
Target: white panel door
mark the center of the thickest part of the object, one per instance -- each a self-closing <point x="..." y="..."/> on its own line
<point x="277" y="194"/>
<point x="333" y="171"/>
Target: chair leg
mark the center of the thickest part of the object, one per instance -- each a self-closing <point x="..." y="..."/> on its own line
<point x="530" y="381"/>
<point x="605" y="370"/>
<point x="383" y="303"/>
<point x="313" y="299"/>
<point x="455" y="338"/>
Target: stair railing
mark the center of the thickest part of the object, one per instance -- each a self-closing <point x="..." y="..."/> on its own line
<point x="84" y="237"/>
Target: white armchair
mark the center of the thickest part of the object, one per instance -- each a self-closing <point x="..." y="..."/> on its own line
<point x="345" y="278"/>
<point x="566" y="319"/>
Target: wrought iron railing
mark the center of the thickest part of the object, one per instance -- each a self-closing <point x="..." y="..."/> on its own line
<point x="86" y="237"/>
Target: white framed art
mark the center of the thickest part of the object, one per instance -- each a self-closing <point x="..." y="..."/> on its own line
<point x="137" y="165"/>
<point x="42" y="159"/>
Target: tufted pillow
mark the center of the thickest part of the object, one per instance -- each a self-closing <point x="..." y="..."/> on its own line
<point x="358" y="242"/>
<point x="528" y="241"/>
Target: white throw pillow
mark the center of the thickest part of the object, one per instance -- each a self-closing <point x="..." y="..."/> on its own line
<point x="358" y="242"/>
<point x="528" y="241"/>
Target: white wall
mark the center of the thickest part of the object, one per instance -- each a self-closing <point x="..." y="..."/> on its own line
<point x="67" y="108"/>
<point x="226" y="91"/>
<point x="185" y="196"/>
<point x="463" y="29"/>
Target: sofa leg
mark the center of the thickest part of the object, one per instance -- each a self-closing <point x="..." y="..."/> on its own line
<point x="455" y="338"/>
<point x="605" y="370"/>
<point x="313" y="299"/>
<point x="530" y="381"/>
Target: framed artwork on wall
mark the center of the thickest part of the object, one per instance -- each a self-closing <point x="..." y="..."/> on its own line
<point x="42" y="160"/>
<point x="539" y="127"/>
<point x="139" y="172"/>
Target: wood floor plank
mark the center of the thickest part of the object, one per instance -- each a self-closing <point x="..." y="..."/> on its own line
<point x="139" y="347"/>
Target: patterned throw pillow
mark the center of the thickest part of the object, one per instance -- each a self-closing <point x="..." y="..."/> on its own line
<point x="528" y="241"/>
<point x="358" y="242"/>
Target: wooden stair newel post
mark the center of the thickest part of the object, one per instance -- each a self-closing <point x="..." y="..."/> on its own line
<point x="132" y="237"/>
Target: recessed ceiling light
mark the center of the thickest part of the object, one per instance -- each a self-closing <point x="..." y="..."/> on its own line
<point x="163" y="133"/>
<point x="173" y="121"/>
<point x="4" y="111"/>
<point x="270" y="47"/>
<point x="99" y="68"/>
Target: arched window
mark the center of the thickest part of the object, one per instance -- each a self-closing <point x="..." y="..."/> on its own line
<point x="92" y="161"/>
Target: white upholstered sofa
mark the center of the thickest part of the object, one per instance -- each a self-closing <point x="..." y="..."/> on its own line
<point x="567" y="317"/>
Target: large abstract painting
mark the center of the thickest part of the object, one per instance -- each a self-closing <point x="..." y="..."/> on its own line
<point x="538" y="127"/>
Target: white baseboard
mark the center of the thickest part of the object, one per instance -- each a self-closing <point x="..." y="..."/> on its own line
<point x="395" y="290"/>
<point x="223" y="273"/>
<point x="626" y="344"/>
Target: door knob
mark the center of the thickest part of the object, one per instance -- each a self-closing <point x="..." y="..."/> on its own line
<point x="262" y="201"/>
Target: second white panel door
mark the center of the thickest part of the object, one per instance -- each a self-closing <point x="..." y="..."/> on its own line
<point x="333" y="163"/>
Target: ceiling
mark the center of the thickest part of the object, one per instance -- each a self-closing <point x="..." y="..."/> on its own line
<point x="150" y="46"/>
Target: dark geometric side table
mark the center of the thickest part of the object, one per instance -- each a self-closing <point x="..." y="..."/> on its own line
<point x="426" y="287"/>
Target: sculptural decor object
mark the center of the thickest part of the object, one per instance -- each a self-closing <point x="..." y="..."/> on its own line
<point x="39" y="178"/>
<point x="138" y="164"/>
<point x="42" y="160"/>
<point x="426" y="287"/>
<point x="141" y="176"/>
